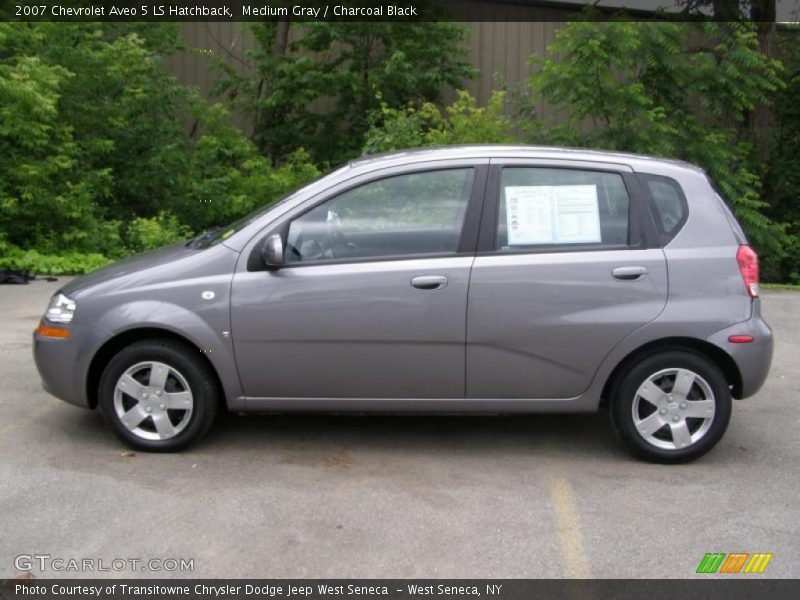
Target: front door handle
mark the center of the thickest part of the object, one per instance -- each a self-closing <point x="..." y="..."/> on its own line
<point x="429" y="282"/>
<point x="629" y="273"/>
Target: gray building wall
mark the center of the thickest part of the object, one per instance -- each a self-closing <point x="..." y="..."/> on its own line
<point x="498" y="49"/>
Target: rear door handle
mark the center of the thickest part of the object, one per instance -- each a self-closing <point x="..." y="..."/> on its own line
<point x="429" y="282"/>
<point x="629" y="273"/>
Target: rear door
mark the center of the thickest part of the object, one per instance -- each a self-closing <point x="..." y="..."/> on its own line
<point x="568" y="264"/>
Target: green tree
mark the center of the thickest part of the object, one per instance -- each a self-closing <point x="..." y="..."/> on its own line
<point x="782" y="177"/>
<point x="463" y="122"/>
<point x="47" y="197"/>
<point x="103" y="152"/>
<point x="315" y="85"/>
<point x="109" y="144"/>
<point x="226" y="177"/>
<point x="123" y="106"/>
<point x="677" y="90"/>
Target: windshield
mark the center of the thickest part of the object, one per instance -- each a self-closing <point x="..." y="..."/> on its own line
<point x="215" y="235"/>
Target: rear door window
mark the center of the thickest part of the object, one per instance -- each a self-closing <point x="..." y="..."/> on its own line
<point x="551" y="208"/>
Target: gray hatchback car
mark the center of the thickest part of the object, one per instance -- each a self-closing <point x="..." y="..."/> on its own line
<point x="498" y="279"/>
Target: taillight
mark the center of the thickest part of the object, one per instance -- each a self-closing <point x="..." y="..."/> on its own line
<point x="748" y="266"/>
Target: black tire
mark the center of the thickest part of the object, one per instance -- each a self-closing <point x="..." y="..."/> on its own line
<point x="188" y="364"/>
<point x="623" y="395"/>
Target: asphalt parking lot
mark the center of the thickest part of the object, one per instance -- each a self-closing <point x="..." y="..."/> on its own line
<point x="332" y="496"/>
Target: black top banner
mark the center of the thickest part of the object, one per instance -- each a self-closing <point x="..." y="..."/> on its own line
<point x="400" y="589"/>
<point x="397" y="10"/>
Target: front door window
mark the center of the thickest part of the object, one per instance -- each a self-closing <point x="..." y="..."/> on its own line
<point x="407" y="215"/>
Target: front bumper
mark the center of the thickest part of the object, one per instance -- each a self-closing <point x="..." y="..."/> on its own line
<point x="63" y="365"/>
<point x="753" y="359"/>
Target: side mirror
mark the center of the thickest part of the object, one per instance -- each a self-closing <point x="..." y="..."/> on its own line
<point x="272" y="251"/>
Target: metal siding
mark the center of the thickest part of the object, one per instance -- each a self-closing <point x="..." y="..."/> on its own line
<point x="495" y="47"/>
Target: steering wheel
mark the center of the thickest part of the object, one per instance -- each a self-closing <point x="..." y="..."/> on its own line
<point x="311" y="249"/>
<point x="333" y="244"/>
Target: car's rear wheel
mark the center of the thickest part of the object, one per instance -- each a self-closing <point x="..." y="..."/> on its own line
<point x="671" y="407"/>
<point x="156" y="395"/>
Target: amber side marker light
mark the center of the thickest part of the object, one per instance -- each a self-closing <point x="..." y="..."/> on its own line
<point x="740" y="339"/>
<point x="53" y="332"/>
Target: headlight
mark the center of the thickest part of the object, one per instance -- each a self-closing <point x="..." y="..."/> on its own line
<point x="61" y="309"/>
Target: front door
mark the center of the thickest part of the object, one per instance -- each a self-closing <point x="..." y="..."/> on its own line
<point x="564" y="272"/>
<point x="372" y="300"/>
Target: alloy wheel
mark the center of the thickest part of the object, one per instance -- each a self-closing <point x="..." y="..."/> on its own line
<point x="673" y="409"/>
<point x="153" y="400"/>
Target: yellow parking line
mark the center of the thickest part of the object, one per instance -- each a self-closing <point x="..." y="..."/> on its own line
<point x="28" y="419"/>
<point x="568" y="529"/>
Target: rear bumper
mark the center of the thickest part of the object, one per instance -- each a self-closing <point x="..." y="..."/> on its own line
<point x="754" y="358"/>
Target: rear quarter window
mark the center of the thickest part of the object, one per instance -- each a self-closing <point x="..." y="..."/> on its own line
<point x="667" y="203"/>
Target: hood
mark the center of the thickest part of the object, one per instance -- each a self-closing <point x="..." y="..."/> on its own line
<point x="129" y="265"/>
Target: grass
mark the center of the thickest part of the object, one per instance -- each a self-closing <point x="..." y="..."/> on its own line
<point x="780" y="287"/>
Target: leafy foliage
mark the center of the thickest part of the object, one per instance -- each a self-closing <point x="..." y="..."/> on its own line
<point x="63" y="263"/>
<point x="103" y="152"/>
<point x="315" y="85"/>
<point x="148" y="234"/>
<point x="781" y="175"/>
<point x="463" y="122"/>
<point x="677" y="90"/>
<point x="228" y="178"/>
<point x="41" y="179"/>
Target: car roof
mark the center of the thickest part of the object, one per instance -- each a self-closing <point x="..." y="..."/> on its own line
<point x="412" y="155"/>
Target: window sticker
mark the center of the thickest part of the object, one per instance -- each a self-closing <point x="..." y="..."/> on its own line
<point x="552" y="214"/>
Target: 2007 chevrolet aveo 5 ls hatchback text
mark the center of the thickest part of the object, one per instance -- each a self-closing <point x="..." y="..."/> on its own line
<point x="469" y="279"/>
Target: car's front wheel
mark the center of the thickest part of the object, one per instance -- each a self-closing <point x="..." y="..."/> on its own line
<point x="156" y="395"/>
<point x="671" y="407"/>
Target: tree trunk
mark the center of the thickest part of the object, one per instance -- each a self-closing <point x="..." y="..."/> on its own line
<point x="726" y="10"/>
<point x="762" y="12"/>
<point x="282" y="38"/>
